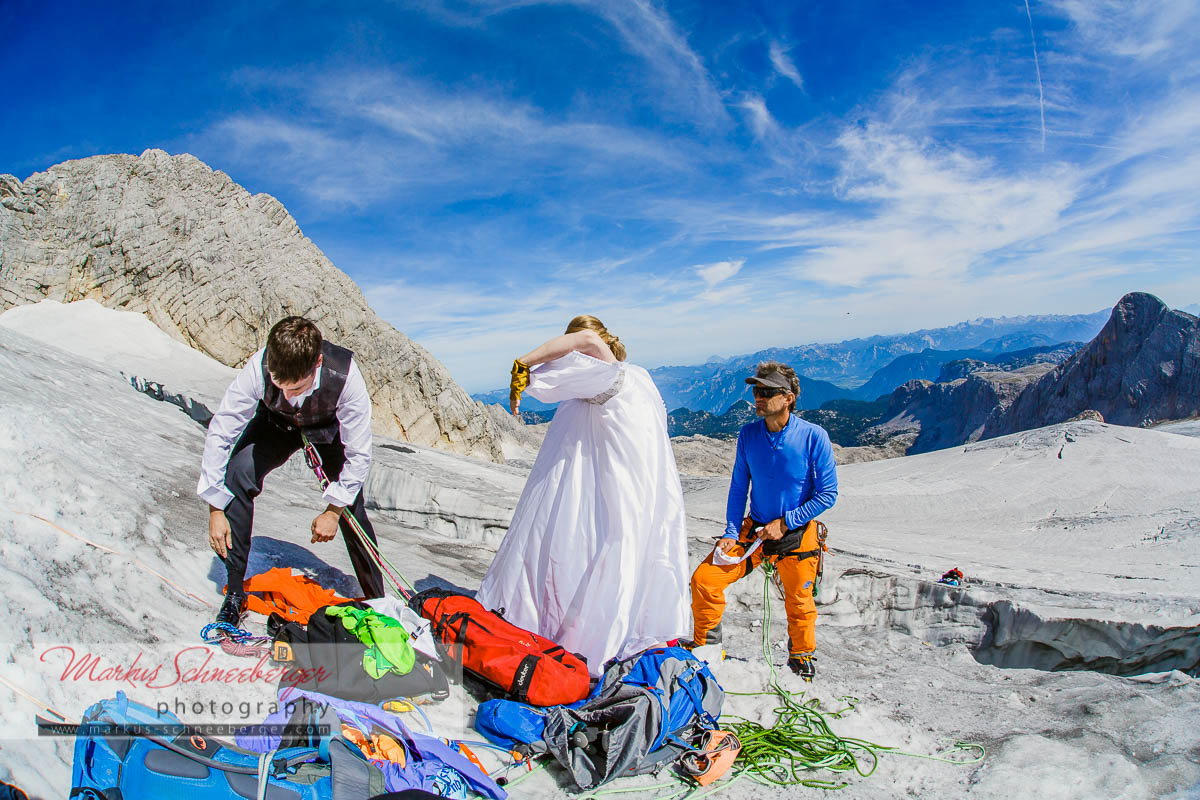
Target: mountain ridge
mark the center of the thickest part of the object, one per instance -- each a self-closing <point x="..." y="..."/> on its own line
<point x="214" y="267"/>
<point x="714" y="385"/>
<point x="1142" y="368"/>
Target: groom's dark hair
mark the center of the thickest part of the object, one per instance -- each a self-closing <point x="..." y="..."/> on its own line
<point x="293" y="347"/>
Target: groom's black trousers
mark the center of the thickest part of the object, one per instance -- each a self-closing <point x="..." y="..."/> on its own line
<point x="264" y="446"/>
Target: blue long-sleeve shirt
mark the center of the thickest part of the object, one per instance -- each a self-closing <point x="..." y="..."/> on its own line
<point x="789" y="474"/>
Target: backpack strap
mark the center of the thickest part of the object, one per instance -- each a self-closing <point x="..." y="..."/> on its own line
<point x="264" y="773"/>
<point x="689" y="682"/>
<point x="523" y="677"/>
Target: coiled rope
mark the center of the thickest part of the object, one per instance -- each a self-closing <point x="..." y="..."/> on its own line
<point x="236" y="641"/>
<point x="802" y="740"/>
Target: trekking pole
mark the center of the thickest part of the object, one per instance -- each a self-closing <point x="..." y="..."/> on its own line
<point x="17" y="690"/>
<point x="389" y="571"/>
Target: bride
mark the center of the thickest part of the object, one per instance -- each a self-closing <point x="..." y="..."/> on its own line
<point x="596" y="556"/>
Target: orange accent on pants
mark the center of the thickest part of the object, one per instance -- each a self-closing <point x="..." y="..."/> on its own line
<point x="710" y="580"/>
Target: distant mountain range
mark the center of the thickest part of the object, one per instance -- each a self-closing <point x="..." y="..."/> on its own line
<point x="844" y="420"/>
<point x="842" y="370"/>
<point x="1142" y="368"/>
<point x="946" y="365"/>
<point x="849" y="370"/>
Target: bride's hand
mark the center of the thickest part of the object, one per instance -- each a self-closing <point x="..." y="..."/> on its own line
<point x="520" y="379"/>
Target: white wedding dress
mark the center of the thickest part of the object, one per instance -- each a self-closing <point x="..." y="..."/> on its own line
<point x="596" y="555"/>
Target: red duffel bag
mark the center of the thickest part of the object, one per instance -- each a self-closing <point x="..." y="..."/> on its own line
<point x="529" y="668"/>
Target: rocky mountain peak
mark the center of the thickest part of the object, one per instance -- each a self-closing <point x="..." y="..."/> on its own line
<point x="1143" y="367"/>
<point x="215" y="266"/>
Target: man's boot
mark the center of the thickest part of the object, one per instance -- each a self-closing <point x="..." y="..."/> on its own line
<point x="804" y="666"/>
<point x="232" y="608"/>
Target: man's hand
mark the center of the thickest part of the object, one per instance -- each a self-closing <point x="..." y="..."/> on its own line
<point x="773" y="530"/>
<point x="220" y="539"/>
<point x="325" y="526"/>
<point x="727" y="544"/>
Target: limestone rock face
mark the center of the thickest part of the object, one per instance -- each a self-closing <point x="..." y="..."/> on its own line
<point x="1142" y="368"/>
<point x="936" y="415"/>
<point x="215" y="267"/>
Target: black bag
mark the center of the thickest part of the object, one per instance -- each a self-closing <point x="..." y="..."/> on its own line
<point x="331" y="659"/>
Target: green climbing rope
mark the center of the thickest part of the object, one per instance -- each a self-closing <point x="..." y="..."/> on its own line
<point x="801" y="739"/>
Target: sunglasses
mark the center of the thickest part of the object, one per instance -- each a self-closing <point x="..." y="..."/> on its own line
<point x="766" y="392"/>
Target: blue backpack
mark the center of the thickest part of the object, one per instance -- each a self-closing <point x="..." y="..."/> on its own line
<point x="636" y="720"/>
<point x="124" y="749"/>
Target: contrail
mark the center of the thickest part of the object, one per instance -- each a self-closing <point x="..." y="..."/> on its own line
<point x="1036" y="66"/>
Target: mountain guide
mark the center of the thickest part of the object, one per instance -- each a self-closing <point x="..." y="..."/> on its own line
<point x="787" y="465"/>
<point x="299" y="383"/>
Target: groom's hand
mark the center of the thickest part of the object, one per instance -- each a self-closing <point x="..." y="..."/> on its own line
<point x="325" y="526"/>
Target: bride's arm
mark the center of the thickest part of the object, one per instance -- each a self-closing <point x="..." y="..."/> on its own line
<point x="587" y="342"/>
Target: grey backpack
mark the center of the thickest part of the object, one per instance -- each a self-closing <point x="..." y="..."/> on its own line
<point x="638" y="720"/>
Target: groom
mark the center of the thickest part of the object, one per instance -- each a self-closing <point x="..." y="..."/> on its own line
<point x="299" y="382"/>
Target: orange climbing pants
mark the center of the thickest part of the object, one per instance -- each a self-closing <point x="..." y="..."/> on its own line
<point x="796" y="573"/>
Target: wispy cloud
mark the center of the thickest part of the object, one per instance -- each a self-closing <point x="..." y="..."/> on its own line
<point x="966" y="184"/>
<point x="674" y="73"/>
<point x="782" y="62"/>
<point x="363" y="137"/>
<point x="712" y="274"/>
<point x="762" y="123"/>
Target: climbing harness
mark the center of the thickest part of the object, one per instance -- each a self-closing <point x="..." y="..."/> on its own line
<point x="389" y="571"/>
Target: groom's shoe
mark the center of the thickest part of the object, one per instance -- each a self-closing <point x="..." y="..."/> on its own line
<point x="232" y="608"/>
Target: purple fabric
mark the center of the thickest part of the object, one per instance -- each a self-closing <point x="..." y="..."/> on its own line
<point x="427" y="754"/>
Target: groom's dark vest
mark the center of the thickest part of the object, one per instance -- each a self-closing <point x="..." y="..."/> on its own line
<point x="317" y="415"/>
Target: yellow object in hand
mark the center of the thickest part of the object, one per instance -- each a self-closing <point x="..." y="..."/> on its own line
<point x="520" y="380"/>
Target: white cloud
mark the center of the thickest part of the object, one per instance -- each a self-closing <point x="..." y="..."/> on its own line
<point x="1143" y="30"/>
<point x="929" y="203"/>
<point x="366" y="136"/>
<point x="679" y="77"/>
<point x="761" y="122"/>
<point x="712" y="274"/>
<point x="782" y="63"/>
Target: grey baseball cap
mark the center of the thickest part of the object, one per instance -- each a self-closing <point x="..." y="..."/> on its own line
<point x="774" y="380"/>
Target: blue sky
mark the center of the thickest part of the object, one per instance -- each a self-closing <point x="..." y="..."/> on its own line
<point x="707" y="178"/>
